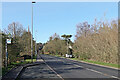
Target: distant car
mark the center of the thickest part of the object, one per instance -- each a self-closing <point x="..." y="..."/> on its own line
<point x="69" y="56"/>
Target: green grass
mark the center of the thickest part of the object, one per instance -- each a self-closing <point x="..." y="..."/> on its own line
<point x="100" y="63"/>
<point x="13" y="64"/>
<point x="57" y="55"/>
<point x="29" y="60"/>
<point x="4" y="70"/>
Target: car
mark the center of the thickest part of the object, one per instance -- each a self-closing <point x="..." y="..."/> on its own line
<point x="69" y="55"/>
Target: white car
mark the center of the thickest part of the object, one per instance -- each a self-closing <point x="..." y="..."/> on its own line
<point x="69" y="56"/>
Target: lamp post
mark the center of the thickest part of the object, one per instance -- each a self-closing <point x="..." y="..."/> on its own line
<point x="32" y="34"/>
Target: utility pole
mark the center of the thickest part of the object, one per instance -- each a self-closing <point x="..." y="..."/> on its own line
<point x="36" y="44"/>
<point x="67" y="48"/>
<point x="35" y="50"/>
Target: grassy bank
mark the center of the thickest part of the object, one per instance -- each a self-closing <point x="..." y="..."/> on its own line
<point x="14" y="64"/>
<point x="94" y="62"/>
<point x="100" y="63"/>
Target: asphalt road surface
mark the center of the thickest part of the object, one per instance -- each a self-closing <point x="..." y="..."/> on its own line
<point x="65" y="69"/>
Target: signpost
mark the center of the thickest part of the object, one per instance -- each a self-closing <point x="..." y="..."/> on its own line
<point x="8" y="41"/>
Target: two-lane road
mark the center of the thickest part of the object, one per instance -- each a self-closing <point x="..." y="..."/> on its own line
<point x="56" y="68"/>
<point x="66" y="68"/>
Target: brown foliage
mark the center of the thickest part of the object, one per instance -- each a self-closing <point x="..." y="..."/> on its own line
<point x="100" y="44"/>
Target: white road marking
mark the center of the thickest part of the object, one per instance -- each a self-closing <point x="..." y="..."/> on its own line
<point x="83" y="67"/>
<point x="78" y="66"/>
<point x="54" y="71"/>
<point x="38" y="60"/>
<point x="115" y="77"/>
<point x="102" y="73"/>
<point x="97" y="71"/>
<point x="94" y="71"/>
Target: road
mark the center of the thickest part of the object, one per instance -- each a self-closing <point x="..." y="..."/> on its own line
<point x="66" y="69"/>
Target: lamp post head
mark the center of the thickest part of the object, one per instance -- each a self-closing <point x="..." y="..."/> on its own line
<point x="33" y="2"/>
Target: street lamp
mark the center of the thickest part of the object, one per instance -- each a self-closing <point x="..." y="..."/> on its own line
<point x="32" y="34"/>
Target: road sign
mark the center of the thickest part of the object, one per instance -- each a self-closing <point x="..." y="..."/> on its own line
<point x="8" y="41"/>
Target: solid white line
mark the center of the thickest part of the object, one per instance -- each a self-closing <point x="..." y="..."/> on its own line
<point x="78" y="66"/>
<point x="94" y="71"/>
<point x="97" y="71"/>
<point x="54" y="71"/>
<point x="102" y="73"/>
<point x="115" y="77"/>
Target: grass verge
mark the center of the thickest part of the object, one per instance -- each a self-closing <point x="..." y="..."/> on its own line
<point x="100" y="63"/>
<point x="14" y="64"/>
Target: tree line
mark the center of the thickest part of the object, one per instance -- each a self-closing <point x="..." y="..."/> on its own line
<point x="21" y="42"/>
<point x="97" y="42"/>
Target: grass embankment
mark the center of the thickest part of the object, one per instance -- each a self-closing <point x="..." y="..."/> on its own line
<point x="94" y="62"/>
<point x="100" y="63"/>
<point x="14" y="64"/>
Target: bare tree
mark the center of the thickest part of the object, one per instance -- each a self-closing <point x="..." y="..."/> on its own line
<point x="82" y="29"/>
<point x="15" y="29"/>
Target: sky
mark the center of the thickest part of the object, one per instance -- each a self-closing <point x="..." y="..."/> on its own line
<point x="56" y="17"/>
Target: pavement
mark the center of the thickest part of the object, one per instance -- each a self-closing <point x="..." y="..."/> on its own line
<point x="12" y="74"/>
<point x="38" y="72"/>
